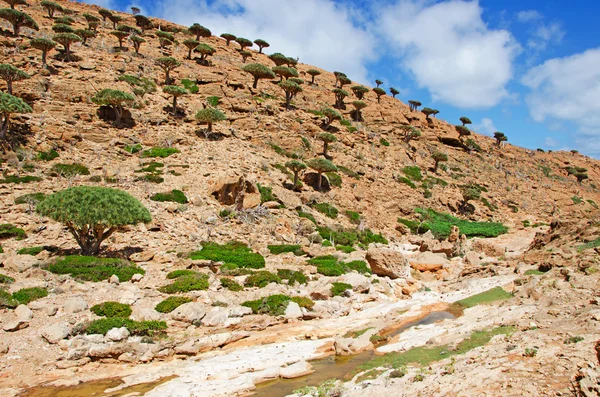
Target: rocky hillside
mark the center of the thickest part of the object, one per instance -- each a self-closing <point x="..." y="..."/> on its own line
<point x="377" y="232"/>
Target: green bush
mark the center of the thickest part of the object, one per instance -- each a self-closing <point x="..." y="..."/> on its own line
<point x="171" y="303"/>
<point x="283" y="248"/>
<point x="47" y="156"/>
<point x="308" y="216"/>
<point x="353" y="216"/>
<point x="190" y="85"/>
<point x="139" y="328"/>
<point x="161" y="152"/>
<point x="492" y="295"/>
<point x="292" y="276"/>
<point x="20" y="179"/>
<point x="26" y="295"/>
<point x="351" y="237"/>
<point x="186" y="282"/>
<point x="133" y="148"/>
<point x="440" y="225"/>
<point x="89" y="268"/>
<point x="1" y="250"/>
<point x="338" y="289"/>
<point x="261" y="279"/>
<point x="275" y="305"/>
<point x="7" y="300"/>
<point x="326" y="209"/>
<point x="181" y="272"/>
<point x="231" y="284"/>
<point x="112" y="309"/>
<point x="30" y="251"/>
<point x="175" y="196"/>
<point x="266" y="193"/>
<point x="334" y="179"/>
<point x="4" y="279"/>
<point x="213" y="101"/>
<point x="7" y="231"/>
<point x="30" y="198"/>
<point x="69" y="170"/>
<point x="384" y="142"/>
<point x="406" y="181"/>
<point x="345" y="249"/>
<point x="330" y="266"/>
<point x="413" y="173"/>
<point x="233" y="254"/>
<point x="327" y="243"/>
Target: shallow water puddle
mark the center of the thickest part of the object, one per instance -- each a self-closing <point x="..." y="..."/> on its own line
<point x="335" y="367"/>
<point x="94" y="389"/>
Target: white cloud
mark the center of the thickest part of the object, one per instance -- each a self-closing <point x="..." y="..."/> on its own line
<point x="567" y="89"/>
<point x="486" y="126"/>
<point x="450" y="50"/>
<point x="545" y="34"/>
<point x="551" y="142"/>
<point x="528" y="16"/>
<point x="319" y="32"/>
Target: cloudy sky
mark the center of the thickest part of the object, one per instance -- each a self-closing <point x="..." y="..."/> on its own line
<point x="528" y="68"/>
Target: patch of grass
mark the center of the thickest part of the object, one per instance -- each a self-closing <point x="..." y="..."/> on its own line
<point x="345" y="248"/>
<point x="368" y="375"/>
<point x="90" y="268"/>
<point x="161" y="152"/>
<point x="334" y="179"/>
<point x="153" y="178"/>
<point x="7" y="300"/>
<point x="534" y="272"/>
<point x="231" y="284"/>
<point x="175" y="196"/>
<point x="592" y="244"/>
<point x="4" y="279"/>
<point x="133" y="148"/>
<point x="530" y="352"/>
<point x="338" y="289"/>
<point x="356" y="334"/>
<point x="406" y="181"/>
<point x="192" y="87"/>
<point x="424" y="356"/>
<point x="26" y="295"/>
<point x="492" y="295"/>
<point x="30" y="251"/>
<point x="326" y="243"/>
<point x="431" y="181"/>
<point x="139" y="328"/>
<point x="266" y="193"/>
<point x="351" y="237"/>
<point x="112" y="309"/>
<point x="33" y="198"/>
<point x="181" y="272"/>
<point x="577" y="200"/>
<point x="233" y="254"/>
<point x="440" y="225"/>
<point x="308" y="216"/>
<point x="171" y="303"/>
<point x="7" y="231"/>
<point x="326" y="209"/>
<point x="353" y="216"/>
<point x="292" y="276"/>
<point x="315" y="112"/>
<point x="413" y="173"/>
<point x="213" y="101"/>
<point x="329" y="265"/>
<point x="348" y="172"/>
<point x="573" y="340"/>
<point x="261" y="279"/>
<point x="20" y="179"/>
<point x="69" y="170"/>
<point x="186" y="282"/>
<point x="283" y="248"/>
<point x="275" y="305"/>
<point x="47" y="156"/>
<point x="384" y="142"/>
<point x="152" y="168"/>
<point x="281" y="151"/>
<point x="592" y="203"/>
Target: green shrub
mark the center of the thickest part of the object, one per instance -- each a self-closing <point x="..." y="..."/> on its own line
<point x="161" y="152"/>
<point x="292" y="276"/>
<point x="47" y="156"/>
<point x="334" y="179"/>
<point x="261" y="279"/>
<point x="326" y="209"/>
<point x="1" y="250"/>
<point x="4" y="279"/>
<point x="431" y="181"/>
<point x="7" y="231"/>
<point x="353" y="216"/>
<point x="384" y="142"/>
<point x="153" y="168"/>
<point x="338" y="289"/>
<point x="266" y="193"/>
<point x="345" y="249"/>
<point x="283" y="248"/>
<point x="440" y="225"/>
<point x="327" y="243"/>
<point x="308" y="216"/>
<point x="69" y="170"/>
<point x="492" y="295"/>
<point x="406" y="181"/>
<point x="89" y="268"/>
<point x="20" y="179"/>
<point x="30" y="198"/>
<point x="191" y="86"/>
<point x="175" y="196"/>
<point x="181" y="272"/>
<point x="234" y="254"/>
<point x="112" y="309"/>
<point x="275" y="305"/>
<point x="26" y="295"/>
<point x="139" y="328"/>
<point x="330" y="266"/>
<point x="231" y="284"/>
<point x="413" y="173"/>
<point x="7" y="300"/>
<point x="213" y="101"/>
<point x="281" y="151"/>
<point x="577" y="200"/>
<point x="351" y="237"/>
<point x="186" y="282"/>
<point x="171" y="303"/>
<point x="30" y="251"/>
<point x="133" y="148"/>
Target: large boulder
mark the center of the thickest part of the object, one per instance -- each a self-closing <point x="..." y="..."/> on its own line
<point x="234" y="190"/>
<point x="75" y="305"/>
<point x="55" y="333"/>
<point x="428" y="262"/>
<point x="191" y="312"/>
<point x="388" y="262"/>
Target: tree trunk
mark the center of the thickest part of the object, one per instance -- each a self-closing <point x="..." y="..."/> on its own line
<point x="167" y="77"/>
<point x="16" y="29"/>
<point x="67" y="52"/>
<point x="295" y="179"/>
<point x="9" y="86"/>
<point x="325" y="145"/>
<point x="136" y="46"/>
<point x="118" y="115"/>
<point x="435" y="166"/>
<point x="255" y="82"/>
<point x="174" y="105"/>
<point x="210" y="127"/>
<point x="320" y="181"/>
<point x="288" y="99"/>
<point x="190" y="53"/>
<point x="4" y="126"/>
<point x="260" y="50"/>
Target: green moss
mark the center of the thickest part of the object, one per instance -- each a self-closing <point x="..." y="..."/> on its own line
<point x="161" y="152"/>
<point x="7" y="231"/>
<point x="89" y="268"/>
<point x="334" y="179"/>
<point x="308" y="216"/>
<point x="338" y="289"/>
<point x="326" y="209"/>
<point x="283" y="248"/>
<point x="192" y="87"/>
<point x="139" y="328"/>
<point x="292" y="276"/>
<point x="152" y="168"/>
<point x="234" y="254"/>
<point x="152" y="178"/>
<point x="47" y="156"/>
<point x="492" y="295"/>
<point x="69" y="170"/>
<point x="430" y="182"/>
<point x="7" y="300"/>
<point x="440" y="225"/>
<point x="112" y="309"/>
<point x="171" y="303"/>
<point x="4" y="279"/>
<point x="231" y="284"/>
<point x="261" y="279"/>
<point x="413" y="173"/>
<point x="30" y="251"/>
<point x="175" y="196"/>
<point x="275" y="305"/>
<point x="26" y="295"/>
<point x="534" y="272"/>
<point x="186" y="282"/>
<point x="19" y="179"/>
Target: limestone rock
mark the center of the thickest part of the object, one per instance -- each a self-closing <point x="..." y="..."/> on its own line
<point x="114" y="279"/>
<point x="387" y="262"/>
<point x="216" y="316"/>
<point x="20" y="263"/>
<point x="15" y="325"/>
<point x="296" y="370"/>
<point x="293" y="310"/>
<point x="117" y="334"/>
<point x="191" y="312"/>
<point x="55" y="333"/>
<point x="23" y="313"/>
<point x="75" y="305"/>
<point x="428" y="262"/>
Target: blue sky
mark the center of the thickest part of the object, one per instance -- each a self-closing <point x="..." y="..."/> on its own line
<point x="528" y="68"/>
